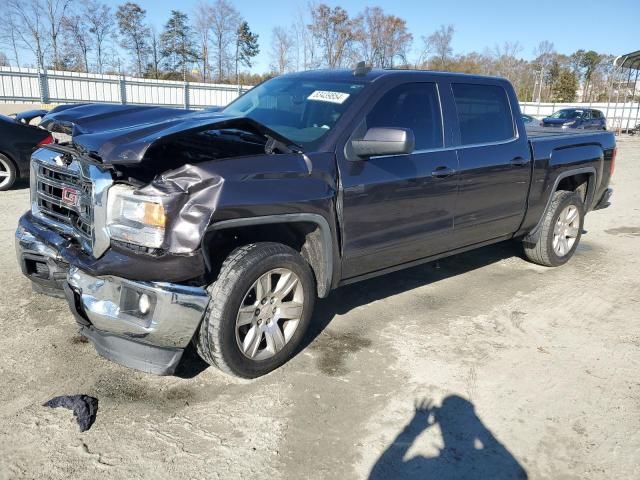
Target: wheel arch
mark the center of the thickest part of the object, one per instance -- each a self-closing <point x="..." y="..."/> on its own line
<point x="306" y="233"/>
<point x="573" y="180"/>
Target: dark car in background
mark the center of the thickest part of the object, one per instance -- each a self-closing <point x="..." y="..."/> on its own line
<point x="583" y="118"/>
<point x="17" y="142"/>
<point x="529" y="121"/>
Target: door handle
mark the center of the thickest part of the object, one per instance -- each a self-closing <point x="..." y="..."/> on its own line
<point x="519" y="162"/>
<point x="443" y="172"/>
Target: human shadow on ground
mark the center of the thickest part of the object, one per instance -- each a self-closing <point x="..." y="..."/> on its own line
<point x="346" y="298"/>
<point x="470" y="450"/>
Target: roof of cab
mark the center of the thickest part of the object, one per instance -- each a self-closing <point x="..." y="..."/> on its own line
<point x="346" y="75"/>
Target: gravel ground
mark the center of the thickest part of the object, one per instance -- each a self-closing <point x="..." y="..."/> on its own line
<point x="484" y="365"/>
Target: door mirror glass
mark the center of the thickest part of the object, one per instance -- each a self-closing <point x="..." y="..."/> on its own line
<point x="380" y="141"/>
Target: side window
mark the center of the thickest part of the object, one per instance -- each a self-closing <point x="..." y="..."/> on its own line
<point x="412" y="105"/>
<point x="596" y="114"/>
<point x="484" y="113"/>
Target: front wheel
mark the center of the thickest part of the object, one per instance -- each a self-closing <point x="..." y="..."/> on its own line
<point x="259" y="311"/>
<point x="559" y="234"/>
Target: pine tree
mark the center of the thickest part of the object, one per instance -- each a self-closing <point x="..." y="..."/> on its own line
<point x="246" y="46"/>
<point x="134" y="32"/>
<point x="564" y="89"/>
<point x="177" y="46"/>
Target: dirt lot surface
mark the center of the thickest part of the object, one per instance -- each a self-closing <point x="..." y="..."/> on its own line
<point x="486" y="366"/>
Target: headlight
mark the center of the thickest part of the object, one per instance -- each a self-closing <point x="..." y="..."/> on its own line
<point x="134" y="218"/>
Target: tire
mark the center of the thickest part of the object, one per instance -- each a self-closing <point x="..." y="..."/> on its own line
<point x="8" y="173"/>
<point x="545" y="247"/>
<point x="220" y="341"/>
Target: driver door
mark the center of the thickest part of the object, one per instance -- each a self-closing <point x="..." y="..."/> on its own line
<point x="399" y="208"/>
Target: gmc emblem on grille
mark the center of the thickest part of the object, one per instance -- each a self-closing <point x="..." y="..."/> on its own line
<point x="70" y="196"/>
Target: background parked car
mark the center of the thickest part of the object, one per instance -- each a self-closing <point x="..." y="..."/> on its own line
<point x="17" y="142"/>
<point x="29" y="117"/>
<point x="529" y="120"/>
<point x="584" y="118"/>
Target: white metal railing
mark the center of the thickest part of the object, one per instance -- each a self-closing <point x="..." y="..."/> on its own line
<point x="27" y="85"/>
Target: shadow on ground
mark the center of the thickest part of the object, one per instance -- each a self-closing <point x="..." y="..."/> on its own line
<point x="344" y="299"/>
<point x="470" y="450"/>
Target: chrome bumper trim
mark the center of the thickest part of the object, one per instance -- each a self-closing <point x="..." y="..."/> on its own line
<point x="173" y="320"/>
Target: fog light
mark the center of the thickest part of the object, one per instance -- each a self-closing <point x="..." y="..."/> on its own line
<point x="144" y="304"/>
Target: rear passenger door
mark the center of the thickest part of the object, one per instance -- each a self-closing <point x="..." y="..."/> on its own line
<point x="398" y="208"/>
<point x="494" y="163"/>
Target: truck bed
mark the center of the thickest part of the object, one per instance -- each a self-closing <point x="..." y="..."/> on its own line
<point x="556" y="152"/>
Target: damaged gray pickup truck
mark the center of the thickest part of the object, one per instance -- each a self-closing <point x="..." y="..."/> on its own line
<point x="220" y="228"/>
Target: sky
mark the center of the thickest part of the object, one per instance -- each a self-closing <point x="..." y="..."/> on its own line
<point x="606" y="27"/>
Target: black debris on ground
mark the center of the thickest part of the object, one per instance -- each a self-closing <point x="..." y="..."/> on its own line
<point x="84" y="408"/>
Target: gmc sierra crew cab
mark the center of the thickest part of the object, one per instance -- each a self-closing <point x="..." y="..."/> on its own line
<point x="164" y="227"/>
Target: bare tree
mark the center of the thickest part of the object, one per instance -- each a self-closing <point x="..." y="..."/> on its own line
<point x="203" y="25"/>
<point x="225" y="20"/>
<point x="30" y="26"/>
<point x="281" y="48"/>
<point x="305" y="44"/>
<point x="55" y="13"/>
<point x="77" y="31"/>
<point x="545" y="56"/>
<point x="440" y="40"/>
<point x="335" y="33"/>
<point x="505" y="58"/>
<point x="153" y="69"/>
<point x="9" y="36"/>
<point x="100" y="21"/>
<point x="4" y="60"/>
<point x="425" y="53"/>
<point x="383" y="38"/>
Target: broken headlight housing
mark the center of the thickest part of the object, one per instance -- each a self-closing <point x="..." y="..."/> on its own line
<point x="135" y="218"/>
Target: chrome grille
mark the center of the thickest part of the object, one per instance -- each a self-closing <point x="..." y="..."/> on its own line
<point x="71" y="198"/>
<point x="51" y="183"/>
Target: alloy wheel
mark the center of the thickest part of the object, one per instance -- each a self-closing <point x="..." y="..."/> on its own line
<point x="269" y="314"/>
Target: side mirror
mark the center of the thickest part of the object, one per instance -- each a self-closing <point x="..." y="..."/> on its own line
<point x="385" y="141"/>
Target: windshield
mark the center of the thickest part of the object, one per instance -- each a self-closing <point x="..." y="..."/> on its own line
<point x="303" y="111"/>
<point x="567" y="114"/>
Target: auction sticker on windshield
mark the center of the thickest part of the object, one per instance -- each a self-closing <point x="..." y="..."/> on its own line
<point x="327" y="96"/>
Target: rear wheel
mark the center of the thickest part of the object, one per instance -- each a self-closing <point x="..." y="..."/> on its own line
<point x="560" y="232"/>
<point x="259" y="311"/>
<point x="8" y="173"/>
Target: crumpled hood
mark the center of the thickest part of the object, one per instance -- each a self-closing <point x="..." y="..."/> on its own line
<point x="121" y="134"/>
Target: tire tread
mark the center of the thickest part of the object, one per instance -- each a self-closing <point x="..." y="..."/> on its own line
<point x="536" y="249"/>
<point x="208" y="339"/>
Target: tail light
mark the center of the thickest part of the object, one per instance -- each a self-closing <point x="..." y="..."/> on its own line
<point x="45" y="141"/>
<point x="613" y="161"/>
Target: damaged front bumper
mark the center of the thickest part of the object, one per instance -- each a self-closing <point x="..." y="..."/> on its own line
<point x="140" y="324"/>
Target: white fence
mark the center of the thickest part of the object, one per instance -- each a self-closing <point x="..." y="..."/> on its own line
<point x="27" y="85"/>
<point x="620" y="116"/>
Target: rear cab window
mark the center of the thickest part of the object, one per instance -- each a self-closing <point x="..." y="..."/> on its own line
<point x="484" y="113"/>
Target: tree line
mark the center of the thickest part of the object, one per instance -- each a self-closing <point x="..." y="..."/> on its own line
<point x="215" y="43"/>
